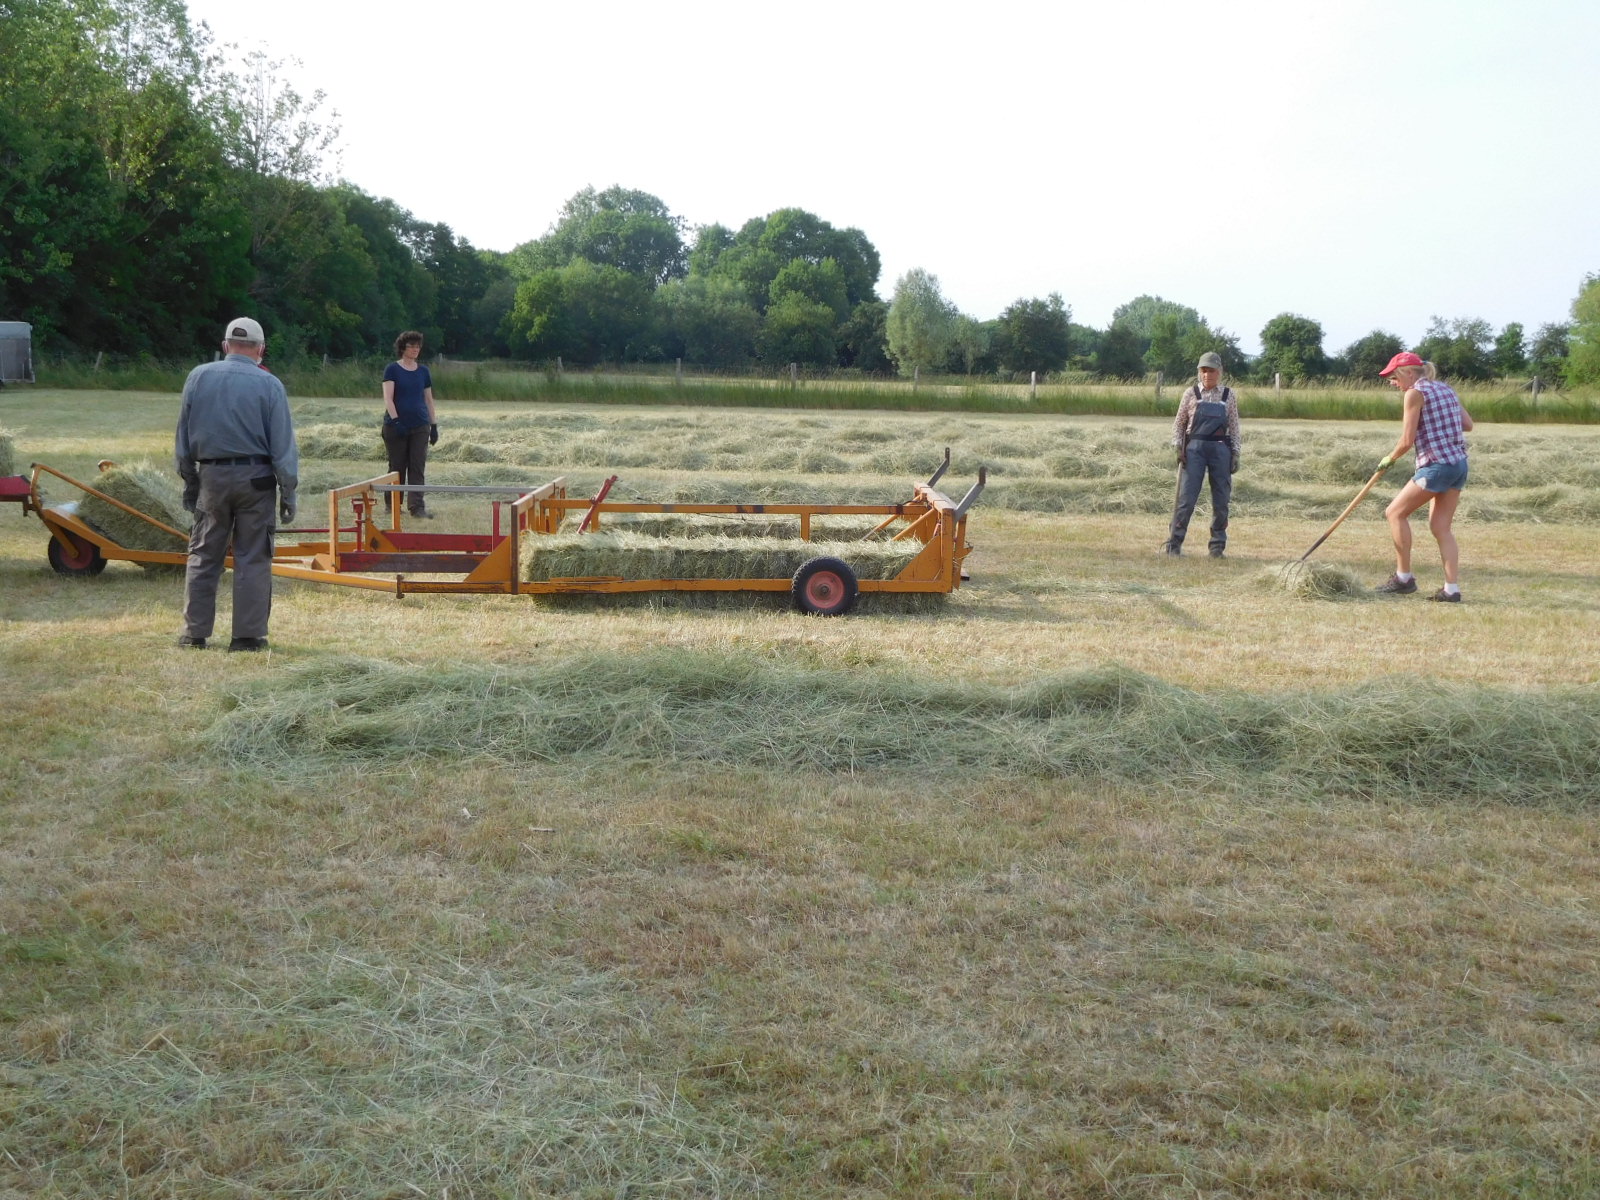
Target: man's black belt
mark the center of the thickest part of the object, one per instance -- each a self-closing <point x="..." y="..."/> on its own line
<point x="258" y="460"/>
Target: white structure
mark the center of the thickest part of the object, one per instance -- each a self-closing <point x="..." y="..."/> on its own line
<point x="16" y="352"/>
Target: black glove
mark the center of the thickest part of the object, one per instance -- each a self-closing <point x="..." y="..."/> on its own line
<point x="1233" y="465"/>
<point x="433" y="435"/>
<point x="285" y="510"/>
<point x="191" y="495"/>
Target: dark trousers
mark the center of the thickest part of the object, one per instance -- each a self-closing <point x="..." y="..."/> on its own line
<point x="1204" y="458"/>
<point x="408" y="454"/>
<point x="238" y="503"/>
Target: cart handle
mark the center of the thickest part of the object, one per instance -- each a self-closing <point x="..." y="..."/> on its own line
<point x="973" y="493"/>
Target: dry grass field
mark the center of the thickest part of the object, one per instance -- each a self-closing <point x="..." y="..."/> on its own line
<point x="1113" y="876"/>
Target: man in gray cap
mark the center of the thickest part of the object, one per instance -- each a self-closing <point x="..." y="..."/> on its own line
<point x="1206" y="433"/>
<point x="236" y="452"/>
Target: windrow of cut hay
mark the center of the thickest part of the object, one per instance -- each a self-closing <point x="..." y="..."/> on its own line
<point x="1316" y="581"/>
<point x="1048" y="464"/>
<point x="639" y="556"/>
<point x="1387" y="739"/>
<point x="147" y="489"/>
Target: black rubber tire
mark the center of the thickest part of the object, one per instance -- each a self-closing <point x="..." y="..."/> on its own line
<point x="825" y="587"/>
<point x="88" y="561"/>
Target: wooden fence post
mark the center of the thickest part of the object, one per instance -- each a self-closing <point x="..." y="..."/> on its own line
<point x="559" y="371"/>
<point x="916" y="376"/>
<point x="102" y="354"/>
<point x="1536" y="389"/>
<point x="1033" y="385"/>
<point x="794" y="376"/>
<point x="678" y="376"/>
<point x="1160" y="380"/>
<point x="1277" y="383"/>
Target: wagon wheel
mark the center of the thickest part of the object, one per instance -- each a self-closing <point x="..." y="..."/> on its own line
<point x="85" y="559"/>
<point x="825" y="586"/>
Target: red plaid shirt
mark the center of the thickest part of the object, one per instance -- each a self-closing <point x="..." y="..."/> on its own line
<point x="1439" y="437"/>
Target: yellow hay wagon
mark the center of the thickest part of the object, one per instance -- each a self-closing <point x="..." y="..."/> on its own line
<point x="366" y="545"/>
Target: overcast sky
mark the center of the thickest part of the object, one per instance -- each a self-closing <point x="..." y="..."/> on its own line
<point x="1365" y="163"/>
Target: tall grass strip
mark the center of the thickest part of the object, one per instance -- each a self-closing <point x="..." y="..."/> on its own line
<point x="147" y="489"/>
<point x="1388" y="739"/>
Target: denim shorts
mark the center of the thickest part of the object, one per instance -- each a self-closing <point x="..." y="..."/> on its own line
<point x="1441" y="477"/>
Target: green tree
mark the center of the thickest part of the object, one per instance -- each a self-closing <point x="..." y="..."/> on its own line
<point x="1034" y="335"/>
<point x="819" y="282"/>
<point x="1119" y="356"/>
<point x="1140" y="314"/>
<point x="797" y="330"/>
<point x="1371" y="354"/>
<point x="630" y="230"/>
<point x="764" y="246"/>
<point x="1547" y="357"/>
<point x="399" y="292"/>
<point x="710" y="242"/>
<point x="1583" y="355"/>
<point x="1510" y="352"/>
<point x="491" y="315"/>
<point x="1291" y="346"/>
<point x="864" y="339"/>
<point x="1460" y="349"/>
<point x="583" y="312"/>
<point x="118" y="228"/>
<point x="972" y="347"/>
<point x="1084" y="341"/>
<point x="707" y="321"/>
<point x="920" y="327"/>
<point x="463" y="276"/>
<point x="1169" y="349"/>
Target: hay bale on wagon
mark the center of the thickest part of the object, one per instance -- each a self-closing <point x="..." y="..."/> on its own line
<point x="8" y="454"/>
<point x="637" y="556"/>
<point x="147" y="489"/>
<point x="733" y="525"/>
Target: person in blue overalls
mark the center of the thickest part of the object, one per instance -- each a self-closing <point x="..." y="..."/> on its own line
<point x="1206" y="433"/>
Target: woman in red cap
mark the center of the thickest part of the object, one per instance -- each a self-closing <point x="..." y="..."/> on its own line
<point x="1434" y="423"/>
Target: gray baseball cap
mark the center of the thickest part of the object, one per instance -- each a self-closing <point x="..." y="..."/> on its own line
<point x="243" y="329"/>
<point x="1211" y="359"/>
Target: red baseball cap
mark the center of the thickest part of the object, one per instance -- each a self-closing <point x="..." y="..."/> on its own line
<point x="1404" y="359"/>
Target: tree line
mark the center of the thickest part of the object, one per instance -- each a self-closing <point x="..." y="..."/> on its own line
<point x="149" y="184"/>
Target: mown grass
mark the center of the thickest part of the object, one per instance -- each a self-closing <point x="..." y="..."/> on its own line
<point x="1118" y="876"/>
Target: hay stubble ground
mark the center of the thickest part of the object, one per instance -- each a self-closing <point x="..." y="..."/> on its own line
<point x="417" y="956"/>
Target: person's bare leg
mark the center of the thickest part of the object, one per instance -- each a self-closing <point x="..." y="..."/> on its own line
<point x="1407" y="501"/>
<point x="1440" y="516"/>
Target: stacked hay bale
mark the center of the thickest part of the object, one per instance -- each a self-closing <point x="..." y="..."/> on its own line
<point x="847" y="527"/>
<point x="638" y="556"/>
<point x="146" y="489"/>
<point x="8" y="454"/>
